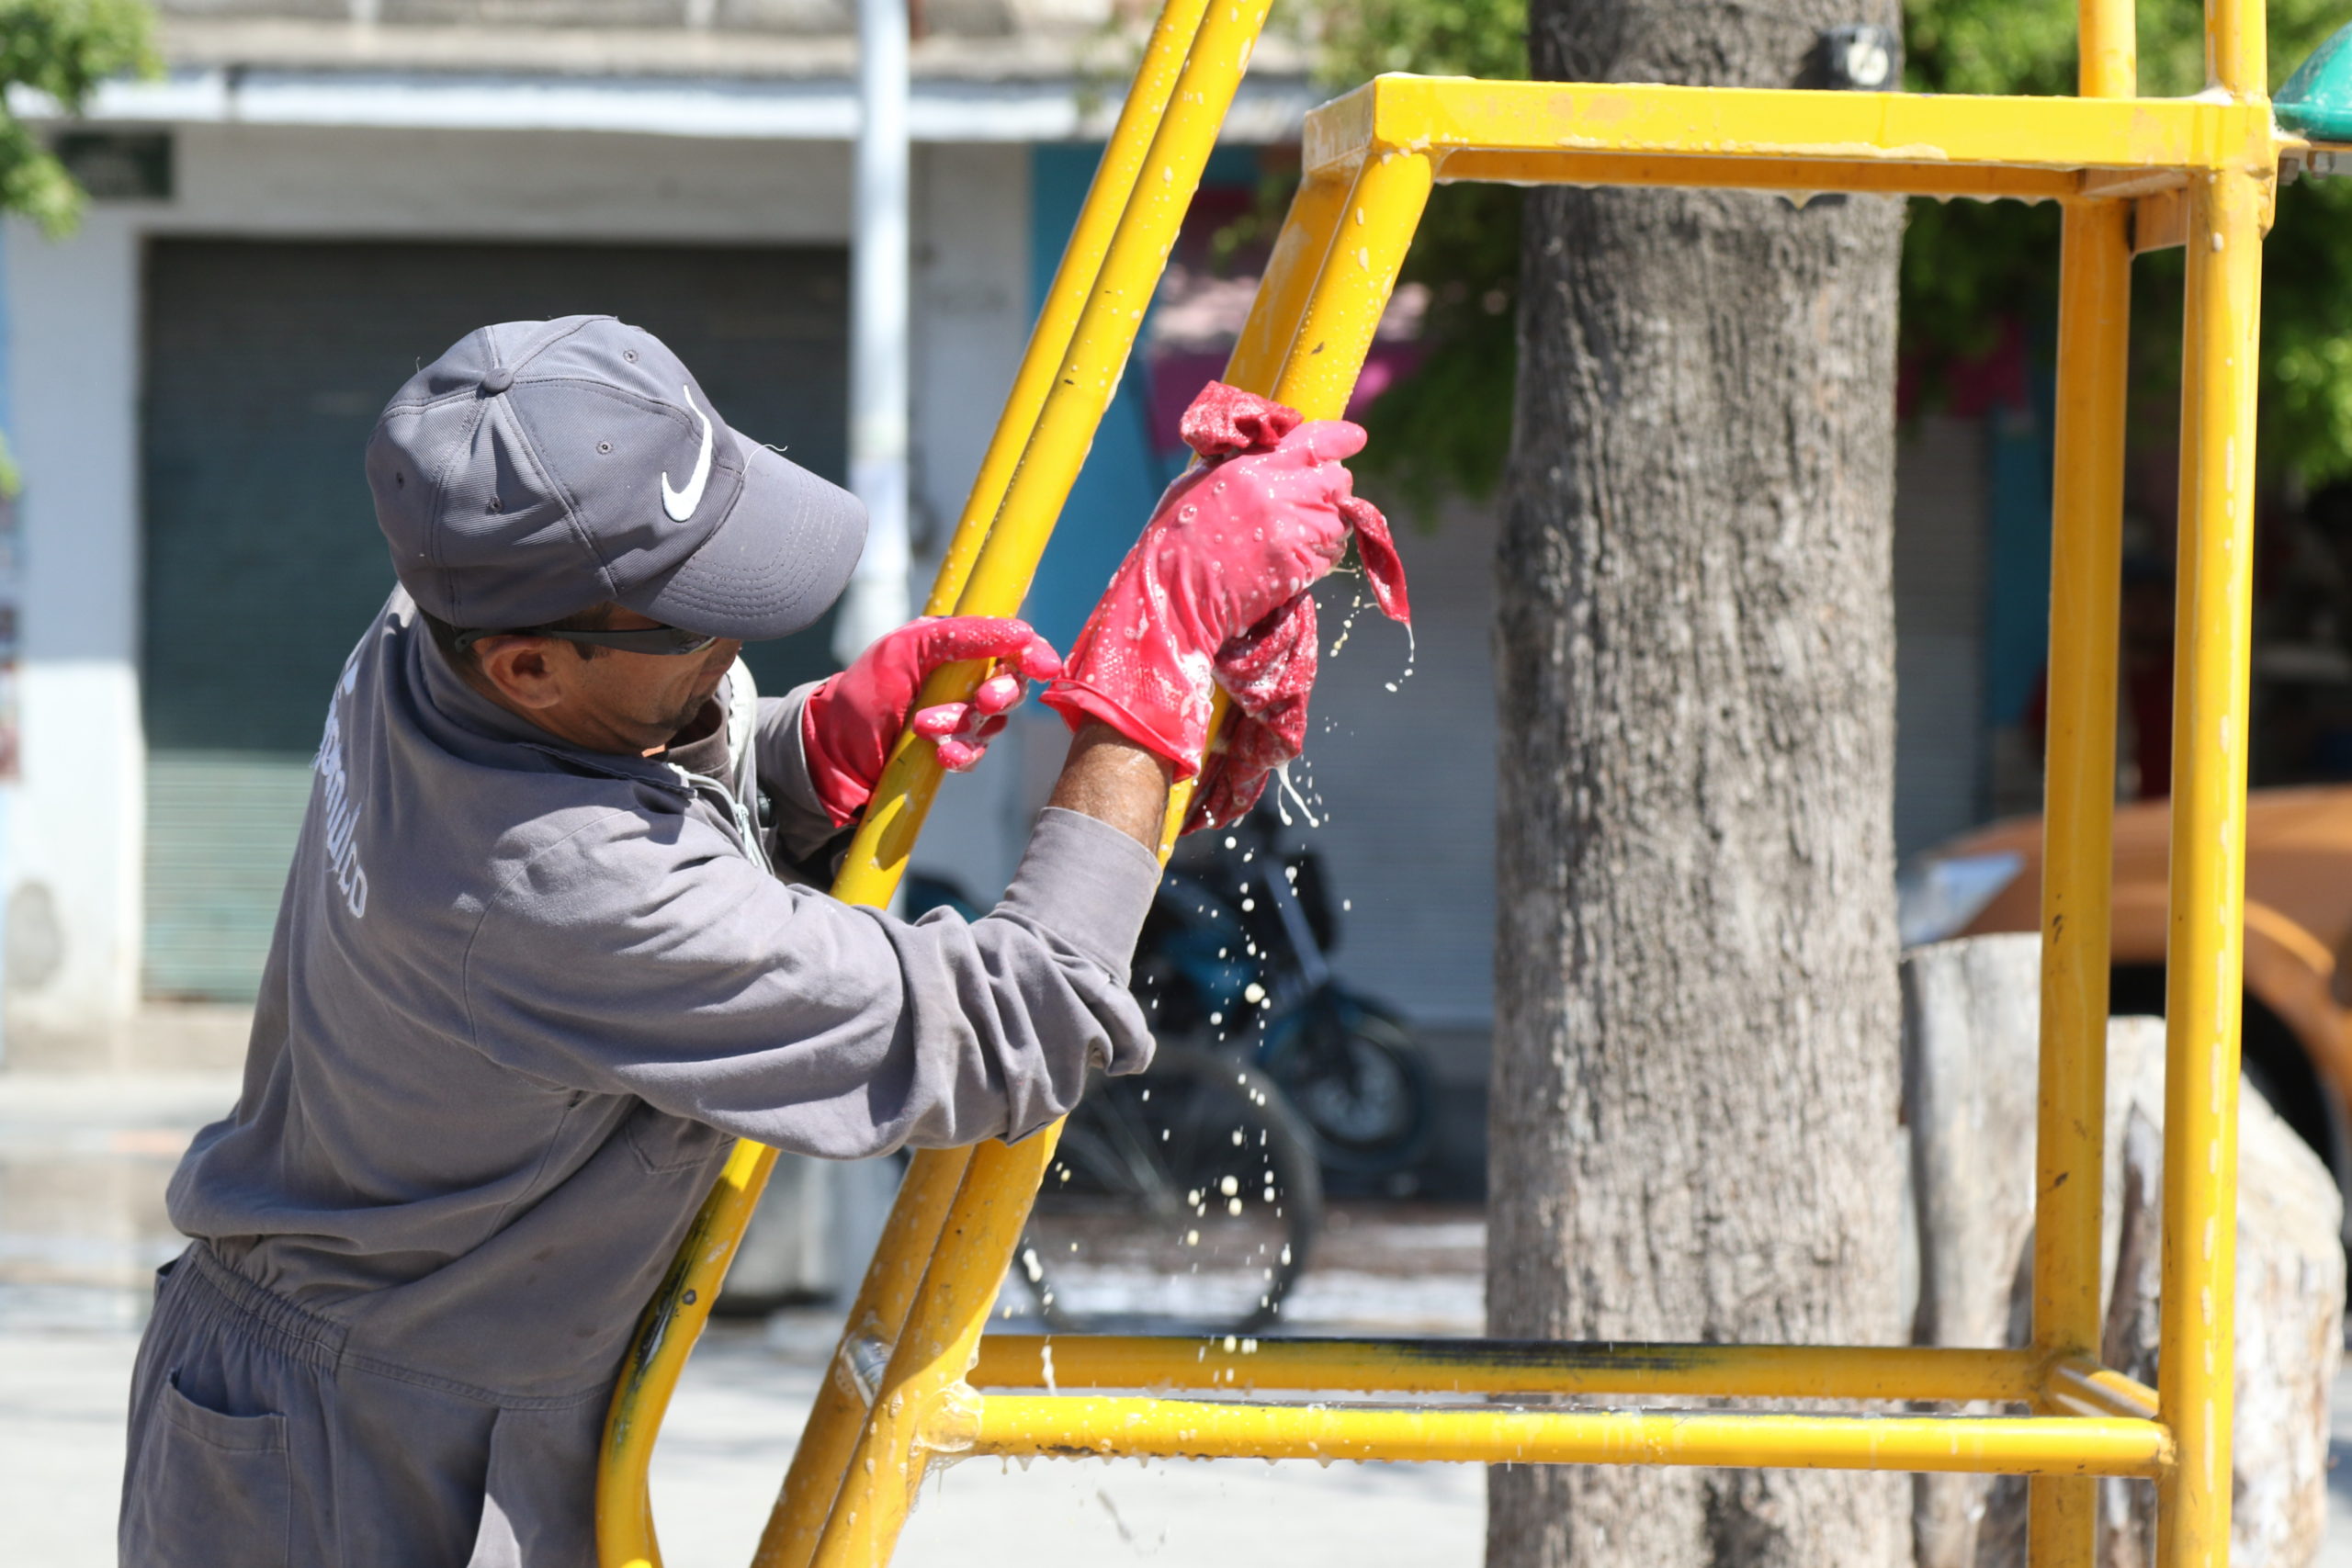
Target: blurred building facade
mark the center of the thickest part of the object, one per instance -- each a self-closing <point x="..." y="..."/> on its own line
<point x="321" y="194"/>
<point x="314" y="199"/>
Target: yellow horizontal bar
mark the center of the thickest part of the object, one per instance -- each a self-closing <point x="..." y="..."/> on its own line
<point x="1082" y="1425"/>
<point x="1442" y="114"/>
<point x="2080" y="1387"/>
<point x="1794" y="175"/>
<point x="1505" y="1366"/>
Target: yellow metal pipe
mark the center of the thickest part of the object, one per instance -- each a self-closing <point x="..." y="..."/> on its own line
<point x="1084" y="1426"/>
<point x="984" y="1223"/>
<point x="1370" y="229"/>
<point x="2206" y="911"/>
<point x="2078" y="822"/>
<point x="671" y="1324"/>
<point x="985" y="1220"/>
<point x="2080" y="1387"/>
<point x="875" y="1321"/>
<point x="1440" y="115"/>
<point x="1083" y="384"/>
<point x="924" y="1380"/>
<point x="915" y="1224"/>
<point x="1098" y="219"/>
<point x="1291" y="268"/>
<point x="1503" y="1366"/>
<point x="2106" y="50"/>
<point x="1373" y="231"/>
<point x="1793" y="177"/>
<point x="2237" y="49"/>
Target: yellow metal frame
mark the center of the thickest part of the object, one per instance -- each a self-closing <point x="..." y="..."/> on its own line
<point x="2133" y="175"/>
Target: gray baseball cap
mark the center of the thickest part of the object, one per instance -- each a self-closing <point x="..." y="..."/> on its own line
<point x="541" y="467"/>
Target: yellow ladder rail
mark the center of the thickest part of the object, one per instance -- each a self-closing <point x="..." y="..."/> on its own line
<point x="2204" y="169"/>
<point x="2131" y="173"/>
<point x="1320" y="359"/>
<point x="2085" y="591"/>
<point x="1170" y="72"/>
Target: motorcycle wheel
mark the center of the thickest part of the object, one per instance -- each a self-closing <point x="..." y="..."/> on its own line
<point x="1359" y="1078"/>
<point x="1188" y="1196"/>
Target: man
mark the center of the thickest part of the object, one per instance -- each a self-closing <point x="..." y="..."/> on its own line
<point x="552" y="938"/>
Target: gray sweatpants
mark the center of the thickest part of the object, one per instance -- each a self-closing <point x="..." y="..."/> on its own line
<point x="256" y="1440"/>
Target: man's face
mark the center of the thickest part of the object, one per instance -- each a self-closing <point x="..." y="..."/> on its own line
<point x="617" y="702"/>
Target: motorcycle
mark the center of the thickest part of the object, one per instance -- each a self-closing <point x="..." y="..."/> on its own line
<point x="1192" y="1193"/>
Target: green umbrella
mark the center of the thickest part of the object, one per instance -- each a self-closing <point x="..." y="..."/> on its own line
<point x="2317" y="99"/>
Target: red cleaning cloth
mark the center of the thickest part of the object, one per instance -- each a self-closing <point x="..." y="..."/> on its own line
<point x="850" y="723"/>
<point x="1215" y="594"/>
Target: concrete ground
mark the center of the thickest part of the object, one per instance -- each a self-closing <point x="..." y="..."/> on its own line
<point x="82" y="1166"/>
<point x="725" y="1448"/>
<point x="83" y="1162"/>
<point x="729" y="1437"/>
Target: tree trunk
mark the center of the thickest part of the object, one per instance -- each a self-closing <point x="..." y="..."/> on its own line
<point x="1696" y="1059"/>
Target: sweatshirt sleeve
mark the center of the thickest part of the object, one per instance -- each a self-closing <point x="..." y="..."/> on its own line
<point x="639" y="956"/>
<point x="804" y="831"/>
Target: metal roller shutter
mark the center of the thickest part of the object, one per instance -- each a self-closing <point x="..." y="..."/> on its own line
<point x="266" y="365"/>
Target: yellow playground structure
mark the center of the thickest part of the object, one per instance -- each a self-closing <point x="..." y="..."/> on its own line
<point x="2133" y="175"/>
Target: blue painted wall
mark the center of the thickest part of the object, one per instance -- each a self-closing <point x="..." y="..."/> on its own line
<point x="1123" y="475"/>
<point x="2022" y="455"/>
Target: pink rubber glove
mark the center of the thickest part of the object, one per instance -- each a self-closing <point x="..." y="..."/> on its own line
<point x="849" y="724"/>
<point x="1214" y="593"/>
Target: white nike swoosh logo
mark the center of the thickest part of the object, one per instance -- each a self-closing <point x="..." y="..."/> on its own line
<point x="681" y="504"/>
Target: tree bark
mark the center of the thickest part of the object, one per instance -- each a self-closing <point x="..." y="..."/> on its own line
<point x="1696" y="1059"/>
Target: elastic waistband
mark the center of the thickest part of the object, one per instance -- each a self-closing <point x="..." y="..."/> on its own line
<point x="213" y="1291"/>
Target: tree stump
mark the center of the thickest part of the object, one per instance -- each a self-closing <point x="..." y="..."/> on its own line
<point x="1970" y="1042"/>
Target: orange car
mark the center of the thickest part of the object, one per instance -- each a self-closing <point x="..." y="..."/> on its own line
<point x="2297" y="922"/>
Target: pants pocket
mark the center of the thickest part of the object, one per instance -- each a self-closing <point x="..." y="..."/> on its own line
<point x="209" y="1489"/>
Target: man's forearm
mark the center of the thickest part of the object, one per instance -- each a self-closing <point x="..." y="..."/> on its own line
<point x="1112" y="780"/>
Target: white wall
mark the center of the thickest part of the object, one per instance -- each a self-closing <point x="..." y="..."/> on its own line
<point x="971" y="282"/>
<point x="514" y="185"/>
<point x="74" y="367"/>
<point x="74" y="855"/>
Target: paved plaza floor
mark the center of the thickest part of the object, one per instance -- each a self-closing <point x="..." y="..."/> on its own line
<point x="81" y="1227"/>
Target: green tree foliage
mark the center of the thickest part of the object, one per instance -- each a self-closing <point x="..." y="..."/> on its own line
<point x="1968" y="268"/>
<point x="1968" y="265"/>
<point x="64" y="49"/>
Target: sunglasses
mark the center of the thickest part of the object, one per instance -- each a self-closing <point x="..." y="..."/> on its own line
<point x="664" y="640"/>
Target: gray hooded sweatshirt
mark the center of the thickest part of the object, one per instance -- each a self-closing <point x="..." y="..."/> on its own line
<point x="520" y="996"/>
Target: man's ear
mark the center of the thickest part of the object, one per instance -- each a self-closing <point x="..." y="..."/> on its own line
<point x="519" y="669"/>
